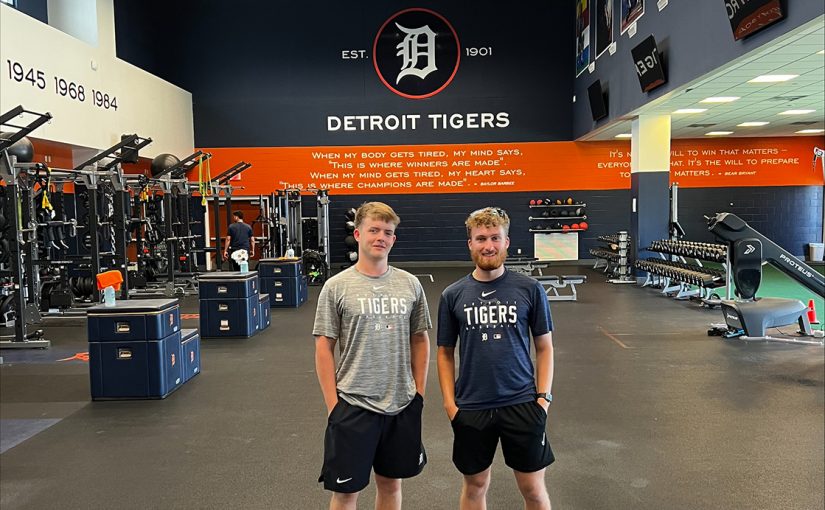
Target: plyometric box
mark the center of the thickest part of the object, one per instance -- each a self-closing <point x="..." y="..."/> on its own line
<point x="556" y="246"/>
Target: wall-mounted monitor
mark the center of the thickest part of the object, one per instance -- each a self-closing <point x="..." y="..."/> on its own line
<point x="598" y="105"/>
<point x="748" y="17"/>
<point x="649" y="66"/>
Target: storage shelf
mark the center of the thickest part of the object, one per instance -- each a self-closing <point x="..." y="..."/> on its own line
<point x="555" y="205"/>
<point x="545" y="230"/>
<point x="557" y="218"/>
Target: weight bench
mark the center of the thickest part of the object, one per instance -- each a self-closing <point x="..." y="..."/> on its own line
<point x="553" y="283"/>
<point x="526" y="265"/>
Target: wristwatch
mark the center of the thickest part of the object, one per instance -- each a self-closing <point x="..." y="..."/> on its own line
<point x="546" y="396"/>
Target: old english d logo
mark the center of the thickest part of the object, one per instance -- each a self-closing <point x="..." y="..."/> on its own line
<point x="416" y="53"/>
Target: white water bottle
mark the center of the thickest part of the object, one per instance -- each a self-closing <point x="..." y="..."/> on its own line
<point x="109" y="296"/>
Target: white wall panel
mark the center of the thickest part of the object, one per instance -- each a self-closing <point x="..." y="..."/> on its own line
<point x="146" y="104"/>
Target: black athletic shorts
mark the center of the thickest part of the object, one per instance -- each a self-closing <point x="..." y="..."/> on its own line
<point x="520" y="427"/>
<point x="358" y="441"/>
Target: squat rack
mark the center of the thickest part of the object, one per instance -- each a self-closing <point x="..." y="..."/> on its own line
<point x="24" y="246"/>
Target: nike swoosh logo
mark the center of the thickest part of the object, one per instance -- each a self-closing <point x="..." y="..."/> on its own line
<point x="485" y="294"/>
<point x="338" y="480"/>
<point x="379" y="288"/>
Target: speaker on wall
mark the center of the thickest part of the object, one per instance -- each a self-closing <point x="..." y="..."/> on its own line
<point x="649" y="66"/>
<point x="598" y="105"/>
<point x="751" y="16"/>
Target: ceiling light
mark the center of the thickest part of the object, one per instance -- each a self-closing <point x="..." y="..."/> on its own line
<point x="623" y="135"/>
<point x="773" y="78"/>
<point x="810" y="131"/>
<point x="796" y="112"/>
<point x="752" y="124"/>
<point x="719" y="133"/>
<point x="720" y="99"/>
<point x="691" y="110"/>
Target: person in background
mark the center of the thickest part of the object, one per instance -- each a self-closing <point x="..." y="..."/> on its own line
<point x="239" y="237"/>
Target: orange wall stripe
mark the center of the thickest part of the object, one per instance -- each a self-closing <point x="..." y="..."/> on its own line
<point x="511" y="167"/>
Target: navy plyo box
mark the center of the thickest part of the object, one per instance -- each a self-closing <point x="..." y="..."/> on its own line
<point x="190" y="344"/>
<point x="303" y="290"/>
<point x="227" y="284"/>
<point x="263" y="309"/>
<point x="137" y="369"/>
<point x="230" y="317"/>
<point x="140" y="320"/>
<point x="280" y="268"/>
<point x="284" y="292"/>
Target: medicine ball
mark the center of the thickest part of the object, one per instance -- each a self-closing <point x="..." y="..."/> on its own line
<point x="545" y="213"/>
<point x="583" y="225"/>
<point x="554" y="212"/>
<point x="574" y="226"/>
<point x="569" y="201"/>
<point x="23" y="148"/>
<point x="539" y="202"/>
<point x="565" y="212"/>
<point x="350" y="214"/>
<point x="352" y="256"/>
<point x="163" y="162"/>
<point x="350" y="227"/>
<point x="532" y="202"/>
<point x="351" y="243"/>
<point x="565" y="227"/>
<point x="558" y="202"/>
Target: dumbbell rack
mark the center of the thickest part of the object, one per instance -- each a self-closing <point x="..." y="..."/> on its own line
<point x="549" y="214"/>
<point x="615" y="257"/>
<point x="682" y="279"/>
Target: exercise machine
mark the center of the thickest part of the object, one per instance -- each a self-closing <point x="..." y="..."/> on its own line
<point x="290" y="231"/>
<point x="748" y="317"/>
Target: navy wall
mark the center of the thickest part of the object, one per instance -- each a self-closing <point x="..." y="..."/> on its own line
<point x="695" y="38"/>
<point x="791" y="216"/>
<point x="268" y="74"/>
<point x="432" y="226"/>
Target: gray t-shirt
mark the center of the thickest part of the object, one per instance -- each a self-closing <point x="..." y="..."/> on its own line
<point x="372" y="318"/>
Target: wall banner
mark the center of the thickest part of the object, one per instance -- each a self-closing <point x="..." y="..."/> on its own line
<point x="511" y="167"/>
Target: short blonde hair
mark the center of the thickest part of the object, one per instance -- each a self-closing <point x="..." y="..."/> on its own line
<point x="488" y="217"/>
<point x="376" y="210"/>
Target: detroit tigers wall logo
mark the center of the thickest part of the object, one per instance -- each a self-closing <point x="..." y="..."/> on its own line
<point x="416" y="53"/>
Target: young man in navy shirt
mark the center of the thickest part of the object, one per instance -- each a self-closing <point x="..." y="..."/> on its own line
<point x="498" y="395"/>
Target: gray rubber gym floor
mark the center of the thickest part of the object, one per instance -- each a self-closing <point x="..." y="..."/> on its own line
<point x="650" y="413"/>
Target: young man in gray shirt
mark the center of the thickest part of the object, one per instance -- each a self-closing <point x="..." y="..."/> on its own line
<point x="378" y="316"/>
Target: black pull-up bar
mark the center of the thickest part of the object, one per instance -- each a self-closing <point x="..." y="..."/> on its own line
<point x="179" y="170"/>
<point x="224" y="178"/>
<point x="41" y="119"/>
<point x="130" y="142"/>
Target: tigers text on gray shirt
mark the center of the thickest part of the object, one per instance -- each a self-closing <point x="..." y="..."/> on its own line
<point x="372" y="318"/>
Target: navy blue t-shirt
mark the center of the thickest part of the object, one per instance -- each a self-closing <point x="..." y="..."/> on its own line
<point x="492" y="322"/>
<point x="239" y="236"/>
